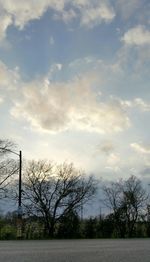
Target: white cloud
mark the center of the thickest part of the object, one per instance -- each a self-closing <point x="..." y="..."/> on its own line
<point x="136" y="103"/>
<point x="54" y="69"/>
<point x="59" y="66"/>
<point x="65" y="16"/>
<point x="142" y="104"/>
<point x="95" y="16"/>
<point x="1" y="100"/>
<point x="5" y="21"/>
<point x="135" y="51"/>
<point x="19" y="13"/>
<point x="24" y="11"/>
<point x="93" y="13"/>
<point x="8" y="77"/>
<point x="139" y="148"/>
<point x="113" y="159"/>
<point x="133" y="57"/>
<point x="138" y="36"/>
<point x="70" y="105"/>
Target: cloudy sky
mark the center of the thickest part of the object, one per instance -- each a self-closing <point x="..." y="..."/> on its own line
<point x="74" y="82"/>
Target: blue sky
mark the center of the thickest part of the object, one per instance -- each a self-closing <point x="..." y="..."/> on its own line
<point x="75" y="83"/>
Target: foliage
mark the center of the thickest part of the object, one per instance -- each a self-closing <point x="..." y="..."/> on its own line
<point x="69" y="226"/>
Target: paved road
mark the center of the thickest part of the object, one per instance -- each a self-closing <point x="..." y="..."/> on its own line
<point x="75" y="250"/>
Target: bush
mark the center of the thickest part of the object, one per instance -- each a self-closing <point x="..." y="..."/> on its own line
<point x="8" y="232"/>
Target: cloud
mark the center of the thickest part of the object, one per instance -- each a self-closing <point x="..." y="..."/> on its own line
<point x="128" y="8"/>
<point x="136" y="103"/>
<point x="89" y="13"/>
<point x="146" y="171"/>
<point x="133" y="58"/>
<point x="135" y="51"/>
<point x="74" y="104"/>
<point x="5" y="21"/>
<point x="1" y="100"/>
<point x="65" y="16"/>
<point x="138" y="36"/>
<point x="23" y="12"/>
<point x="93" y="13"/>
<point x="139" y="148"/>
<point x="107" y="147"/>
<point x="19" y="13"/>
<point x="54" y="68"/>
<point x="8" y="77"/>
<point x="113" y="159"/>
<point x="142" y="104"/>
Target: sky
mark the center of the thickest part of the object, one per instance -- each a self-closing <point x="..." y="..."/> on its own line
<point x="74" y="83"/>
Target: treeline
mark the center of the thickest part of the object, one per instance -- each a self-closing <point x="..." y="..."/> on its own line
<point x="53" y="196"/>
<point x="70" y="227"/>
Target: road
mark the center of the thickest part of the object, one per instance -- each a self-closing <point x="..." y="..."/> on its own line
<point x="75" y="250"/>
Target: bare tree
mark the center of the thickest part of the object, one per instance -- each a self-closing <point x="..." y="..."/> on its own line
<point x="52" y="191"/>
<point x="113" y="200"/>
<point x="5" y="147"/>
<point x="127" y="200"/>
<point x="133" y="202"/>
<point x="8" y="166"/>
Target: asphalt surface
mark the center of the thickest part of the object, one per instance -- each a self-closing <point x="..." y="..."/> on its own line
<point x="75" y="250"/>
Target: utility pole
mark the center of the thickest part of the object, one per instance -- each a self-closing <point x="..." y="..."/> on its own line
<point x="20" y="178"/>
<point x="19" y="222"/>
